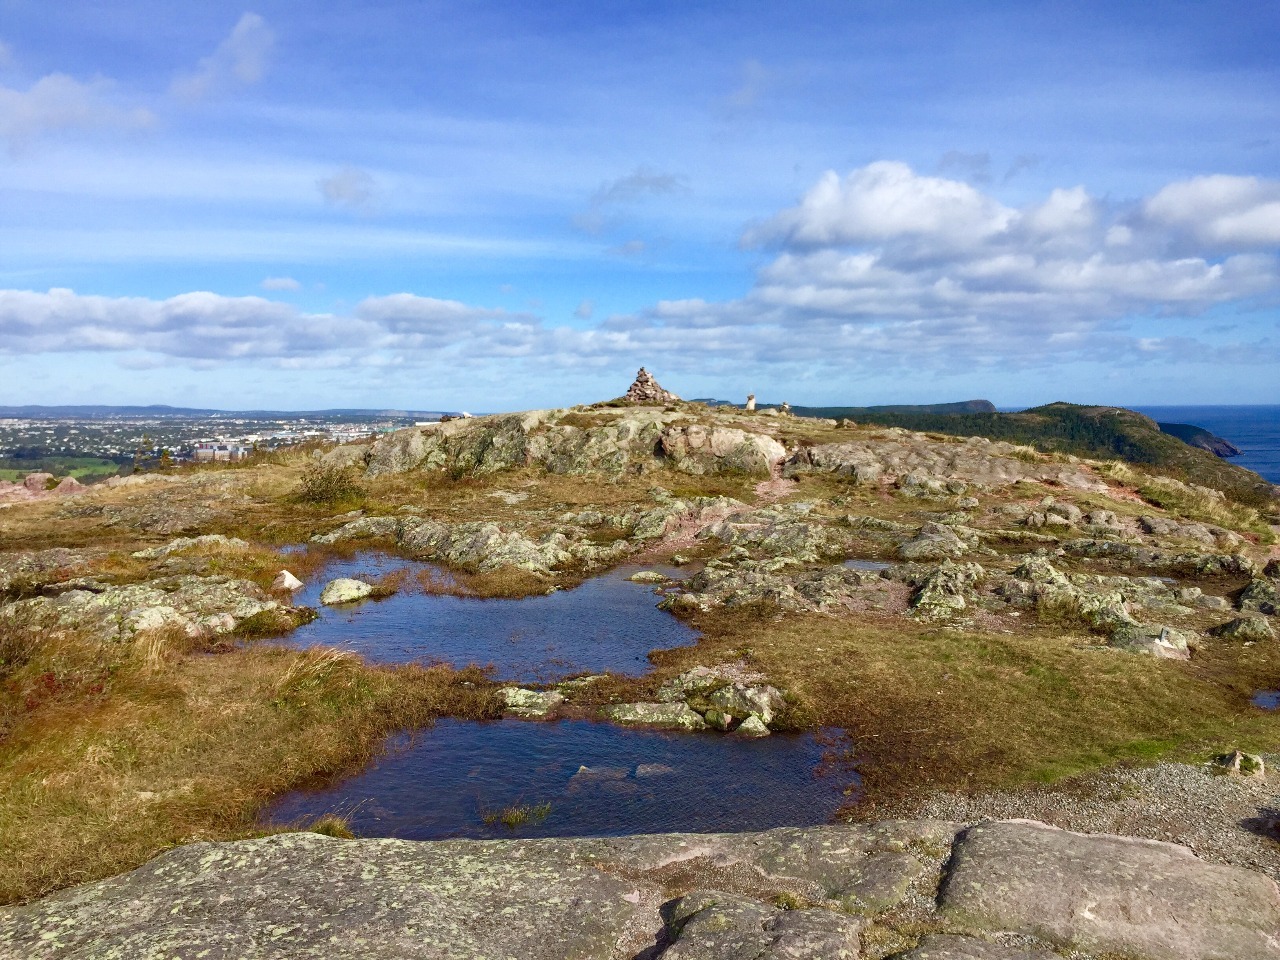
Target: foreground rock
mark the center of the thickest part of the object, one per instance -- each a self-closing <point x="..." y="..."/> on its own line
<point x="679" y="896"/>
<point x="1136" y="897"/>
<point x="344" y="590"/>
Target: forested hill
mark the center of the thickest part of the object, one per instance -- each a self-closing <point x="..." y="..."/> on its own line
<point x="1098" y="432"/>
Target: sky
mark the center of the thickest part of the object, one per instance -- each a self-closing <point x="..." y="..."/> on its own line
<point x="495" y="206"/>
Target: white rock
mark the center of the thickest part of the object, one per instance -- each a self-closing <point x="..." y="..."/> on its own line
<point x="344" y="590"/>
<point x="286" y="581"/>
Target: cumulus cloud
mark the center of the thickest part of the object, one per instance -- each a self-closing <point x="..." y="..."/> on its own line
<point x="239" y="60"/>
<point x="281" y="283"/>
<point x="879" y="271"/>
<point x="351" y="188"/>
<point x="1220" y="210"/>
<point x="59" y="102"/>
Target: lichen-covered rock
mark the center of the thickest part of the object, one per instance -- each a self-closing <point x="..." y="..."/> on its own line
<point x="1240" y="763"/>
<point x="935" y="541"/>
<point x="212" y="541"/>
<point x="708" y="924"/>
<point x="699" y="449"/>
<point x="942" y="593"/>
<point x="753" y="726"/>
<point x="1260" y="596"/>
<point x="676" y="716"/>
<point x="951" y="947"/>
<point x="1248" y="629"/>
<point x="532" y="704"/>
<point x="199" y="606"/>
<point x="344" y="590"/>
<point x="1101" y="894"/>
<point x="286" y="581"/>
<point x="1154" y="639"/>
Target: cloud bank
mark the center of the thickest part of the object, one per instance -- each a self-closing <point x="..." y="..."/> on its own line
<point x="881" y="269"/>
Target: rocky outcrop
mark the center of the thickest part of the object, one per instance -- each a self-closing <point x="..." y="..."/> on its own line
<point x="899" y="453"/>
<point x="198" y="606"/>
<point x="799" y="894"/>
<point x="671" y="716"/>
<point x="698" y="449"/>
<point x="530" y="704"/>
<point x="212" y="541"/>
<point x="1139" y="898"/>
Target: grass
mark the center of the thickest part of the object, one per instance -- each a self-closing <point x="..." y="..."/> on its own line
<point x="517" y="815"/>
<point x="112" y="753"/>
<point x="945" y="708"/>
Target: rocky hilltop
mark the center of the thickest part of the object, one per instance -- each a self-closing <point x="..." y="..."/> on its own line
<point x="972" y="614"/>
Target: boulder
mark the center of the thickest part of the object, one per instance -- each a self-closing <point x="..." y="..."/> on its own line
<point x="697" y="449"/>
<point x="38" y="482"/>
<point x="286" y="581"/>
<point x="647" y="576"/>
<point x="67" y="486"/>
<point x="1249" y="629"/>
<point x="741" y="700"/>
<point x="675" y="716"/>
<point x="1154" y="639"/>
<point x="935" y="541"/>
<point x="942" y="593"/>
<point x="533" y="704"/>
<point x="1101" y="894"/>
<point x="753" y="726"/>
<point x="1260" y="596"/>
<point x="344" y="590"/>
<point x="1241" y="764"/>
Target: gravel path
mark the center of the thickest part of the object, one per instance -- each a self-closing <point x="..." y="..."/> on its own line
<point x="1223" y="818"/>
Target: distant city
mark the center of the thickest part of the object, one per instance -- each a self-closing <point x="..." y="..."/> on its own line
<point x="92" y="443"/>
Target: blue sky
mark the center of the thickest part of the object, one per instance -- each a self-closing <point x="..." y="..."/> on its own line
<point x="498" y="206"/>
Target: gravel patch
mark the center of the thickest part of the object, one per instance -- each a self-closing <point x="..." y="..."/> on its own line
<point x="1225" y="819"/>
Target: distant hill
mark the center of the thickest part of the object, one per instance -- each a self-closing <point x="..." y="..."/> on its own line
<point x="1202" y="438"/>
<point x="962" y="406"/>
<point x="1096" y="432"/>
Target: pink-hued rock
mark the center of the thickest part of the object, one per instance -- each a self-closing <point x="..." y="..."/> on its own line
<point x="68" y="485"/>
<point x="37" y="482"/>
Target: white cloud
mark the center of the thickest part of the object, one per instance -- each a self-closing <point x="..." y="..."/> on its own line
<point x="350" y="187"/>
<point x="1227" y="210"/>
<point x="887" y="201"/>
<point x="239" y="60"/>
<point x="281" y="283"/>
<point x="58" y="102"/>
<point x="584" y="310"/>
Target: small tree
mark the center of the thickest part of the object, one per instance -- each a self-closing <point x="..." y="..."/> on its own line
<point x="328" y="484"/>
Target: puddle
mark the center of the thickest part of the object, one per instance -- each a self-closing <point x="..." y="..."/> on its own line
<point x="444" y="781"/>
<point x="1267" y="699"/>
<point x="867" y="565"/>
<point x="607" y="623"/>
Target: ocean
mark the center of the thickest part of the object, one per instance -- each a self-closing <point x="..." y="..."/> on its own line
<point x="1254" y="429"/>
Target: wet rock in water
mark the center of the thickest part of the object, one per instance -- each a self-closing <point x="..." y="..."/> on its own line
<point x="1249" y="629"/>
<point x="951" y="947"/>
<point x="1261" y="596"/>
<point x="753" y="726"/>
<point x="653" y="770"/>
<point x="676" y="716"/>
<point x="647" y="576"/>
<point x="935" y="541"/>
<point x="741" y="700"/>
<point x="286" y="581"/>
<point x="212" y="541"/>
<point x="708" y="924"/>
<point x="532" y="704"/>
<point x="1102" y="894"/>
<point x="1240" y="763"/>
<point x="344" y="590"/>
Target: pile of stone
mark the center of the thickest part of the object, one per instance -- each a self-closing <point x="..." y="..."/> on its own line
<point x="646" y="389"/>
<point x="724" y="698"/>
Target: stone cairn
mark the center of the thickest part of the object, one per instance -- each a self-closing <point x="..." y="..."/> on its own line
<point x="648" y="390"/>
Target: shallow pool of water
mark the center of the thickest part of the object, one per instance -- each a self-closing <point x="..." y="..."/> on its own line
<point x="867" y="565"/>
<point x="448" y="779"/>
<point x="1267" y="699"/>
<point x="607" y="623"/>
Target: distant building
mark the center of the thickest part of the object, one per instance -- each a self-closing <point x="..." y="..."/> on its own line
<point x="205" y="452"/>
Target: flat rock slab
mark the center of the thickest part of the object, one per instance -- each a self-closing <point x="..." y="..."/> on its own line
<point x="945" y="947"/>
<point x="308" y="896"/>
<point x="1138" y="898"/>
